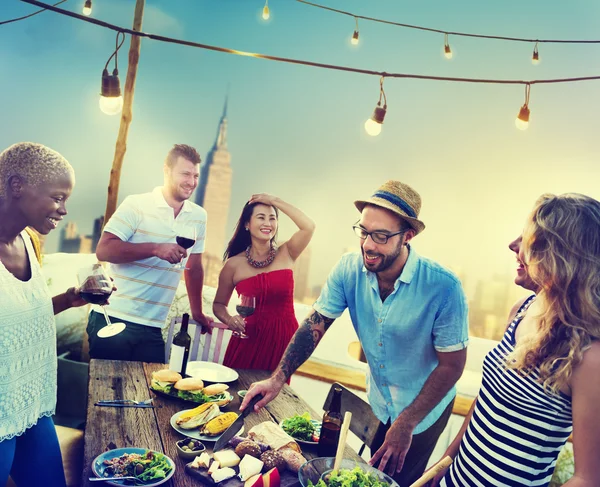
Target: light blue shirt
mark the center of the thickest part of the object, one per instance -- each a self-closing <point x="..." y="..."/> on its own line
<point x="426" y="312"/>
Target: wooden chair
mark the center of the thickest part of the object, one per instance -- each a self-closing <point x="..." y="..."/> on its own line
<point x="364" y="423"/>
<point x="215" y="337"/>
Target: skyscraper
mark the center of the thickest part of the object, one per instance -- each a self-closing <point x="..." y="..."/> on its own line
<point x="214" y="195"/>
<point x="301" y="269"/>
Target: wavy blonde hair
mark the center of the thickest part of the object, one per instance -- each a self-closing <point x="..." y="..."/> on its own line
<point x="561" y="247"/>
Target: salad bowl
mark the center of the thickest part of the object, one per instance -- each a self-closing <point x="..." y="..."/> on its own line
<point x="317" y="470"/>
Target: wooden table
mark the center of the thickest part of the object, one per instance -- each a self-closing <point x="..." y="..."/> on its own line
<point x="108" y="428"/>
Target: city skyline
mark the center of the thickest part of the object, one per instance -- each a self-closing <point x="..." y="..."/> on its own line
<point x="297" y="132"/>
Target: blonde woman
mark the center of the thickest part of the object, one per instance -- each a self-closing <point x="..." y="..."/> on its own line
<point x="542" y="381"/>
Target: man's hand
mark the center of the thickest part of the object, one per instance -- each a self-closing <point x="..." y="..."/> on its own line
<point x="170" y="252"/>
<point x="204" y="322"/>
<point x="435" y="481"/>
<point x="269" y="388"/>
<point x="393" y="451"/>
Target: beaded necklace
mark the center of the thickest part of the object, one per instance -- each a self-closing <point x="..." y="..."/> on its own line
<point x="262" y="263"/>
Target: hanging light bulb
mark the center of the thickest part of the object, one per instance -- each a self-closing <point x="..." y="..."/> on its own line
<point x="522" y="120"/>
<point x="87" y="7"/>
<point x="266" y="14"/>
<point x="374" y="124"/>
<point x="447" y="50"/>
<point x="111" y="100"/>
<point x="354" y="39"/>
<point x="535" y="59"/>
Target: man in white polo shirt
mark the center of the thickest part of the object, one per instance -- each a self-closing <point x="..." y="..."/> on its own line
<point x="139" y="242"/>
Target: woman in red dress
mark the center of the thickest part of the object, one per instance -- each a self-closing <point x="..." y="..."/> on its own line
<point x="255" y="266"/>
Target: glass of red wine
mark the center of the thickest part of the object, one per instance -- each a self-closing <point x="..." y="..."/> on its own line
<point x="246" y="308"/>
<point x="96" y="286"/>
<point x="185" y="237"/>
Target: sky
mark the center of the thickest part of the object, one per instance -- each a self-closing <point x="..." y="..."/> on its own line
<point x="297" y="131"/>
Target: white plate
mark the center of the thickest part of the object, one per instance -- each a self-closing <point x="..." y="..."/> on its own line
<point x="195" y="433"/>
<point x="316" y="424"/>
<point x="211" y="372"/>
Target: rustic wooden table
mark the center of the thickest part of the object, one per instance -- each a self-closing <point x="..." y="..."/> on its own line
<point x="108" y="428"/>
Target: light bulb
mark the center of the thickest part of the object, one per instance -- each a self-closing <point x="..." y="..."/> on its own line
<point x="87" y="8"/>
<point x="266" y="13"/>
<point x="522" y="120"/>
<point x="447" y="52"/>
<point x="354" y="39"/>
<point x="111" y="105"/>
<point x="535" y="59"/>
<point x="372" y="127"/>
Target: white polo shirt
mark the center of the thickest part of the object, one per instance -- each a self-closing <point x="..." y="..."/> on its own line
<point x="146" y="288"/>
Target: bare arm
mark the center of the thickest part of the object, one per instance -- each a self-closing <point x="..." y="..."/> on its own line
<point x="194" y="282"/>
<point x="66" y="300"/>
<point x="306" y="227"/>
<point x="221" y="301"/>
<point x="585" y="388"/>
<point x="114" y="250"/>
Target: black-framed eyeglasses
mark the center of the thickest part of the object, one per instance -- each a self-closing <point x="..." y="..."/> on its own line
<point x="377" y="237"/>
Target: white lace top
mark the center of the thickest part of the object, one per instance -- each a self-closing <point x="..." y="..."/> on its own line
<point x="27" y="349"/>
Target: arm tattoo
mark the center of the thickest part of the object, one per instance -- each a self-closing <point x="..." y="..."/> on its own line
<point x="303" y="343"/>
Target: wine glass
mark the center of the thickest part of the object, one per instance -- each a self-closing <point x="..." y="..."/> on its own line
<point x="185" y="237"/>
<point x="95" y="286"/>
<point x="246" y="308"/>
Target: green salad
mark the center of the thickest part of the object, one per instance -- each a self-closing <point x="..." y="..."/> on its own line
<point x="299" y="427"/>
<point x="350" y="478"/>
<point x="145" y="468"/>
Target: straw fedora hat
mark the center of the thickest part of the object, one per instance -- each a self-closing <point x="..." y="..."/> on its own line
<point x="399" y="198"/>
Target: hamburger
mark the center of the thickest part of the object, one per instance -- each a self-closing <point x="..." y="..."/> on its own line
<point x="192" y="389"/>
<point x="164" y="380"/>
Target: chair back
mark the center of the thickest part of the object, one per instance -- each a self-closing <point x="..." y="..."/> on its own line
<point x="364" y="423"/>
<point x="196" y="352"/>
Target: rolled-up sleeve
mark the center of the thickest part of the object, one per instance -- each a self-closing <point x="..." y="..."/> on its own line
<point x="125" y="220"/>
<point x="332" y="300"/>
<point x="451" y="326"/>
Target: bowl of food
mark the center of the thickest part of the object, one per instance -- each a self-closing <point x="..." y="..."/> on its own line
<point x="319" y="472"/>
<point x="242" y="394"/>
<point x="189" y="448"/>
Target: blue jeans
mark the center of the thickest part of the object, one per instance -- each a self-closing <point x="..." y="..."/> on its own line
<point x="33" y="459"/>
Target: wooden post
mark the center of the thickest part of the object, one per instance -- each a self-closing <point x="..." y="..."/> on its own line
<point x="126" y="114"/>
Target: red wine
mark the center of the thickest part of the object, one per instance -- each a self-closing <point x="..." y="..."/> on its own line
<point x="331" y="426"/>
<point x="186" y="243"/>
<point x="95" y="297"/>
<point x="244" y="311"/>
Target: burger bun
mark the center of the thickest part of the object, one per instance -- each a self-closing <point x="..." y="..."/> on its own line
<point x="213" y="389"/>
<point x="189" y="384"/>
<point x="166" y="375"/>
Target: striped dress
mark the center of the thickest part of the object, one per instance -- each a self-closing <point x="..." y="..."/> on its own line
<point x="517" y="430"/>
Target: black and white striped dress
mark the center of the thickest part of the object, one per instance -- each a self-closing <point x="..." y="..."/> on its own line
<point x="517" y="430"/>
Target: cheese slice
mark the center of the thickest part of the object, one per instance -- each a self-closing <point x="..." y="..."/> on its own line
<point x="250" y="466"/>
<point x="214" y="467"/>
<point x="223" y="474"/>
<point x="227" y="458"/>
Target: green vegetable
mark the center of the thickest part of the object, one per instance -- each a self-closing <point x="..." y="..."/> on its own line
<point x="196" y="396"/>
<point x="299" y="427"/>
<point x="350" y="478"/>
<point x="155" y="466"/>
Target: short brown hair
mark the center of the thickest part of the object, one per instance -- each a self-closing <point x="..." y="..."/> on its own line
<point x="185" y="151"/>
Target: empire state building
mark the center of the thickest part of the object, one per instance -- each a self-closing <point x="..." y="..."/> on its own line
<point x="214" y="195"/>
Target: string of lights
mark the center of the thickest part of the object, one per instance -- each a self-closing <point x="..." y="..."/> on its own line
<point x="381" y="74"/>
<point x="2" y="22"/>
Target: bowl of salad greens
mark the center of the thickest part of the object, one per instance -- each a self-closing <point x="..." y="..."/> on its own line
<point x="149" y="467"/>
<point x="302" y="428"/>
<point x="318" y="472"/>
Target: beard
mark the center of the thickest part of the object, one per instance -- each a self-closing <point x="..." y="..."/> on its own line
<point x="385" y="260"/>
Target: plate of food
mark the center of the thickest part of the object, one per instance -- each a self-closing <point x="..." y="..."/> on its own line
<point x="169" y="383"/>
<point x="204" y="423"/>
<point x="302" y="428"/>
<point x="211" y="371"/>
<point x="149" y="467"/>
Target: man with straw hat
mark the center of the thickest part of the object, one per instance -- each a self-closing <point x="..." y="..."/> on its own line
<point x="410" y="315"/>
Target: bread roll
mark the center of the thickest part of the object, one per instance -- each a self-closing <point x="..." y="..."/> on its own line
<point x="214" y="389"/>
<point x="189" y="384"/>
<point x="293" y="459"/>
<point x="166" y="375"/>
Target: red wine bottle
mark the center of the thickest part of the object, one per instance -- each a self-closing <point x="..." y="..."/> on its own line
<point x="331" y="426"/>
<point x="180" y="348"/>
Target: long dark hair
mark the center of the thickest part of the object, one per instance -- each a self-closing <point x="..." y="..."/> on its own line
<point x="241" y="239"/>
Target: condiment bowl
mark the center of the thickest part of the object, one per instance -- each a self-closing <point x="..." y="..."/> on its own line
<point x="189" y="455"/>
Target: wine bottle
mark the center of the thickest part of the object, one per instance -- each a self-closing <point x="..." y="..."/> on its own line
<point x="180" y="348"/>
<point x="331" y="426"/>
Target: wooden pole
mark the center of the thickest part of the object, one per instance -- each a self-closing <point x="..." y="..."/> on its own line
<point x="126" y="114"/>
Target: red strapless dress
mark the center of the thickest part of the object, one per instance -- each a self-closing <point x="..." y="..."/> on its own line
<point x="272" y="325"/>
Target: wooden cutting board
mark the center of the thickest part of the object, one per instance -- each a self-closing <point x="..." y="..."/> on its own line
<point x="288" y="479"/>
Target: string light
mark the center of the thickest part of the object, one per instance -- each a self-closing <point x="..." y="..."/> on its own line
<point x="522" y="121"/>
<point x="374" y="124"/>
<point x="111" y="100"/>
<point x="87" y="8"/>
<point x="266" y="14"/>
<point x="535" y="59"/>
<point x="354" y="39"/>
<point x="447" y="50"/>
